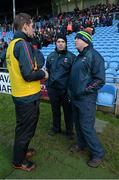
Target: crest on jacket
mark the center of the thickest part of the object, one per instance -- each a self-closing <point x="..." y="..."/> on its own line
<point x="65" y="60"/>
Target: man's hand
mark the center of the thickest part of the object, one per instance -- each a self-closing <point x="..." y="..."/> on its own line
<point x="46" y="74"/>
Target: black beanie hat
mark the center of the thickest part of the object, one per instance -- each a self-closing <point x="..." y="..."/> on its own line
<point x="61" y="36"/>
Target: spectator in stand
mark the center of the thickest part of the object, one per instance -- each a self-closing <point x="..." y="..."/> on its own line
<point x="69" y="28"/>
<point x="3" y="47"/>
<point x="3" y="34"/>
<point x="90" y="30"/>
<point x="3" y="55"/>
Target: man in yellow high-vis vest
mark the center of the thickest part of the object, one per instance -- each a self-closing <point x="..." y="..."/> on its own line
<point x="24" y="65"/>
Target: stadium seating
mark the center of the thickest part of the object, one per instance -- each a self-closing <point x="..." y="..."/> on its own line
<point x="105" y="40"/>
<point x="114" y="65"/>
<point x="111" y="71"/>
<point x="110" y="78"/>
<point x="106" y="65"/>
<point x="107" y="96"/>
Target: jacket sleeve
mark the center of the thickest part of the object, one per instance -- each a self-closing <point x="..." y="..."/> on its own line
<point x="97" y="73"/>
<point x="24" y="55"/>
<point x="48" y="64"/>
<point x="73" y="58"/>
<point x="40" y="58"/>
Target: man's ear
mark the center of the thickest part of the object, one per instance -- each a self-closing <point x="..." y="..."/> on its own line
<point x="24" y="27"/>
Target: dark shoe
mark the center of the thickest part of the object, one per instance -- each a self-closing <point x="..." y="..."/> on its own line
<point x="30" y="153"/>
<point x="25" y="166"/>
<point x="76" y="148"/>
<point x="94" y="162"/>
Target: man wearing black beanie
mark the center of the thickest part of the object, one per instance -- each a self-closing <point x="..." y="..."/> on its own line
<point x="59" y="65"/>
<point x="61" y="36"/>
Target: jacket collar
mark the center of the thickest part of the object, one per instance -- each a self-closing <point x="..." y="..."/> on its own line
<point x="61" y="52"/>
<point x="20" y="34"/>
<point x="86" y="49"/>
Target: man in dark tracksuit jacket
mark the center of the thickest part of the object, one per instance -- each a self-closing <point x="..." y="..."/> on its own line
<point x="87" y="76"/>
<point x="24" y="64"/>
<point x="58" y="65"/>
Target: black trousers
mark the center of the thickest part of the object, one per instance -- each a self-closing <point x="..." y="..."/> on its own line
<point x="58" y="99"/>
<point x="26" y="120"/>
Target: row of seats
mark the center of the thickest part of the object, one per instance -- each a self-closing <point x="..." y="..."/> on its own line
<point x="107" y="96"/>
<point x="106" y="41"/>
<point x="112" y="65"/>
<point x="110" y="78"/>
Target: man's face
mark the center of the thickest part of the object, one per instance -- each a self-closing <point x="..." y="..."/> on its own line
<point x="29" y="30"/>
<point x="61" y="44"/>
<point x="79" y="43"/>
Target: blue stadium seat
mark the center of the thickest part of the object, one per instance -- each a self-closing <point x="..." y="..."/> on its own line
<point x="106" y="64"/>
<point x="110" y="78"/>
<point x="111" y="71"/>
<point x="117" y="72"/>
<point x="117" y="78"/>
<point x="107" y="96"/>
<point x="107" y="58"/>
<point x="114" y="65"/>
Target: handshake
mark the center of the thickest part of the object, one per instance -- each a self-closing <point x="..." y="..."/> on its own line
<point x="46" y="73"/>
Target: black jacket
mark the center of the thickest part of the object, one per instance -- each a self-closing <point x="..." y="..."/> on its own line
<point x="59" y="66"/>
<point x="87" y="74"/>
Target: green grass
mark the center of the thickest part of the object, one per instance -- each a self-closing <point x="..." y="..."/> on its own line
<point x="108" y="117"/>
<point x="53" y="158"/>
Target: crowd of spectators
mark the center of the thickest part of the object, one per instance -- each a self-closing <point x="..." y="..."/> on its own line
<point x="3" y="48"/>
<point x="47" y="29"/>
<point x="66" y="23"/>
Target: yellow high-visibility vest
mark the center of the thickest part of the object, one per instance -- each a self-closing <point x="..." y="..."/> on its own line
<point x="19" y="86"/>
